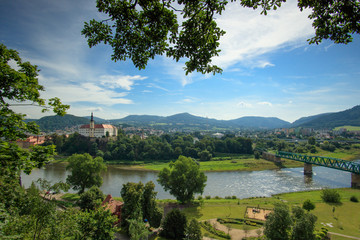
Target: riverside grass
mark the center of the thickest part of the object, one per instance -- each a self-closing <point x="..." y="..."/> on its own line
<point x="228" y="162"/>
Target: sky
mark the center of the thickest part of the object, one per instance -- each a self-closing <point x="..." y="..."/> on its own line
<point x="269" y="69"/>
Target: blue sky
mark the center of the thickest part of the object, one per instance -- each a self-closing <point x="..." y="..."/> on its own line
<point x="269" y="68"/>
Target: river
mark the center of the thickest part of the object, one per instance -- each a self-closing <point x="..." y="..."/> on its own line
<point x="243" y="184"/>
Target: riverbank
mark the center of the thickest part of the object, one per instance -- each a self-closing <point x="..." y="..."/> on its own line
<point x="227" y="162"/>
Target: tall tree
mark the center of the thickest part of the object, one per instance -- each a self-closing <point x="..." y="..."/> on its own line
<point x="140" y="204"/>
<point x="19" y="86"/>
<point x="174" y="225"/>
<point x="91" y="199"/>
<point x="278" y="224"/>
<point x="193" y="230"/>
<point x="304" y="225"/>
<point x="131" y="194"/>
<point x="96" y="224"/>
<point x="140" y="30"/>
<point x="150" y="210"/>
<point x="85" y="171"/>
<point x="183" y="179"/>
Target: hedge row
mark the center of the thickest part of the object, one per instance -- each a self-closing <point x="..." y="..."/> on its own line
<point x="214" y="231"/>
<point x="240" y="221"/>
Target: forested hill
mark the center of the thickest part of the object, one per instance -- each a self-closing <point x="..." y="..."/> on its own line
<point x="188" y="121"/>
<point x="52" y="123"/>
<point x="349" y="117"/>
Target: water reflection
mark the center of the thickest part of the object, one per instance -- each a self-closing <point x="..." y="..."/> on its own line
<point x="239" y="184"/>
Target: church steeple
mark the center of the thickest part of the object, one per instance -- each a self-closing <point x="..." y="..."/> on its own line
<point x="92" y="126"/>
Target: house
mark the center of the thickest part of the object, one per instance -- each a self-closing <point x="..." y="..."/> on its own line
<point x="30" y="141"/>
<point x="113" y="206"/>
<point x="97" y="130"/>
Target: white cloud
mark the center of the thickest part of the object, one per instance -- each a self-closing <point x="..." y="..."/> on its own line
<point x="94" y="109"/>
<point x="86" y="92"/>
<point x="244" y="104"/>
<point x="187" y="100"/>
<point x="153" y="85"/>
<point x="265" y="103"/>
<point x="124" y="82"/>
<point x="250" y="35"/>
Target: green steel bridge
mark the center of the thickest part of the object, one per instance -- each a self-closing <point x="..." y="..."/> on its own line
<point x="329" y="162"/>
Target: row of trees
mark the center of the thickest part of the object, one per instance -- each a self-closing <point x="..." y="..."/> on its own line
<point x="166" y="147"/>
<point x="309" y="146"/>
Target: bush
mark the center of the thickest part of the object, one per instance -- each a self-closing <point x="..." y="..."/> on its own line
<point x="91" y="199"/>
<point x="354" y="199"/>
<point x="308" y="205"/>
<point x="174" y="225"/>
<point x="330" y="196"/>
<point x="207" y="197"/>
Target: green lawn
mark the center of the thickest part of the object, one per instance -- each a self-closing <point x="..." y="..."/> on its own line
<point x="344" y="220"/>
<point x="349" y="128"/>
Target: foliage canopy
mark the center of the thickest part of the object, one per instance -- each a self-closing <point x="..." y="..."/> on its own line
<point x="85" y="171"/>
<point x="140" y="29"/>
<point x="183" y="179"/>
<point x="19" y="87"/>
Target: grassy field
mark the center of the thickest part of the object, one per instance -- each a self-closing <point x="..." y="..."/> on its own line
<point x="230" y="162"/>
<point x="344" y="220"/>
<point x="349" y="128"/>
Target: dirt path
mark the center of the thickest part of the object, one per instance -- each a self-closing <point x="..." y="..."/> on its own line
<point x="235" y="234"/>
<point x="342" y="235"/>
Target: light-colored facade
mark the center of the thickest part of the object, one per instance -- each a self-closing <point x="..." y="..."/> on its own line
<point x="97" y="130"/>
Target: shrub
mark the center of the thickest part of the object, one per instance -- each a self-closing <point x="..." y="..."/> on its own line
<point x="174" y="225"/>
<point x="193" y="230"/>
<point x="208" y="197"/>
<point x="308" y="205"/>
<point x="91" y="199"/>
<point x="354" y="199"/>
<point x="330" y="196"/>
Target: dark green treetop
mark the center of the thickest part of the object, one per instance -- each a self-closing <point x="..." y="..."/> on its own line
<point x="85" y="171"/>
<point x="183" y="179"/>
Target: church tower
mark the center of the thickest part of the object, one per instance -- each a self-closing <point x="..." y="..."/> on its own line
<point x="92" y="127"/>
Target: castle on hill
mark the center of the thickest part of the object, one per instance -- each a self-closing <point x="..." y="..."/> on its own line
<point x="97" y="130"/>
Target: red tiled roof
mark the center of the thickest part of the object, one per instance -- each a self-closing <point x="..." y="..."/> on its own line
<point x="98" y="126"/>
<point x="113" y="205"/>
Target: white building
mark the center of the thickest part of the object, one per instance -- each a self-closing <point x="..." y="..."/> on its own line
<point x="97" y="130"/>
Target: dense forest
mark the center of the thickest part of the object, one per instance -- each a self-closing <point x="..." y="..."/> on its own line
<point x="166" y="147"/>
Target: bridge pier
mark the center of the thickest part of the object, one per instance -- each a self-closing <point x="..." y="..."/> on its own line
<point x="355" y="180"/>
<point x="307" y="169"/>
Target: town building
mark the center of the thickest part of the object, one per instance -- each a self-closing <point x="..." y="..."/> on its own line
<point x="113" y="206"/>
<point x="30" y="141"/>
<point x="97" y="130"/>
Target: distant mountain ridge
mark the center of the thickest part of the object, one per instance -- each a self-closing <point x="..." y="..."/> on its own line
<point x="52" y="123"/>
<point x="331" y="120"/>
<point x="188" y="120"/>
<point x="191" y="122"/>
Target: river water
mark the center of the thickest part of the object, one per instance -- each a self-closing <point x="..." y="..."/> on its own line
<point x="242" y="184"/>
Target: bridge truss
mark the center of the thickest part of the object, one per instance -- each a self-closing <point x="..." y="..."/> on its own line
<point x="329" y="162"/>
